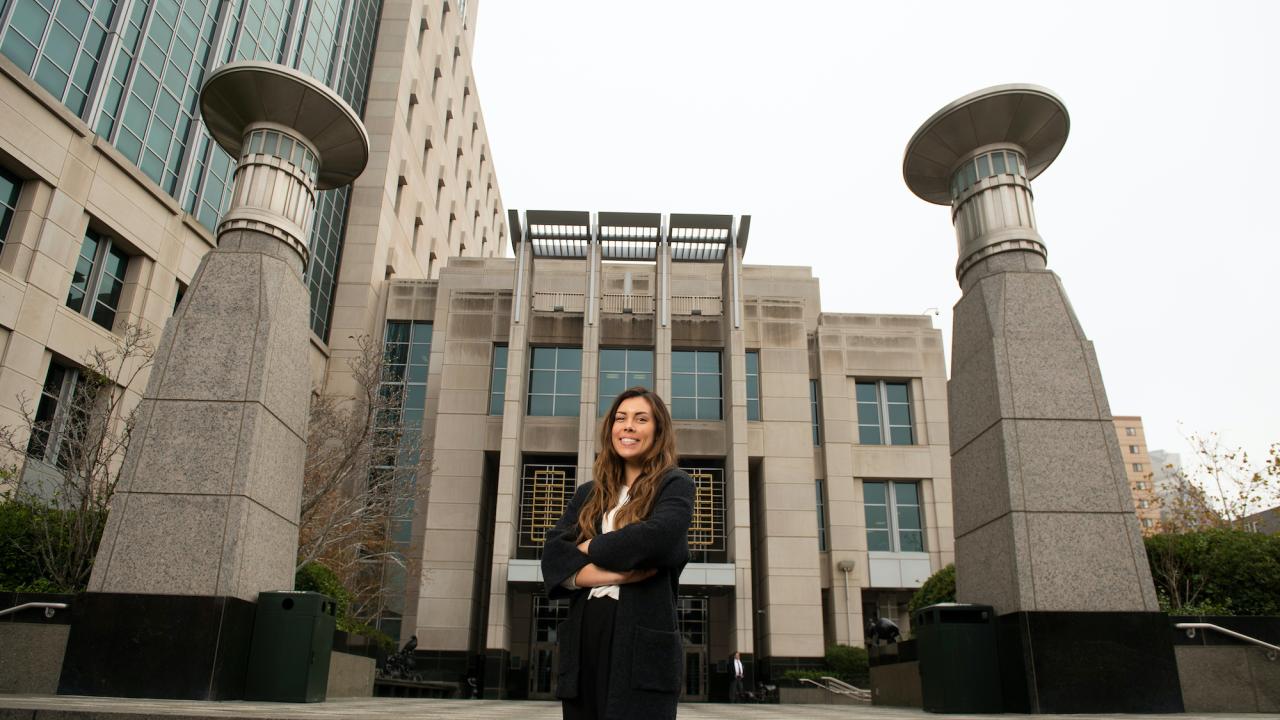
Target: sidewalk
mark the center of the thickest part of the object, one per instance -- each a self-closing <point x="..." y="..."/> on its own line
<point x="64" y="707"/>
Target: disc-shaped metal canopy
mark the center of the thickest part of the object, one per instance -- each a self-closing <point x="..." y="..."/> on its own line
<point x="1029" y="116"/>
<point x="241" y="93"/>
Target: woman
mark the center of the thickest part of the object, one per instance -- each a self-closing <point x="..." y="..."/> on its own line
<point x="617" y="553"/>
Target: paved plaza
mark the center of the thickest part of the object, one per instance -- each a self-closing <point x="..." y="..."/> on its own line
<point x="49" y="707"/>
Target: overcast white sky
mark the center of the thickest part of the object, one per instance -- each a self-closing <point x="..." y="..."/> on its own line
<point x="1159" y="215"/>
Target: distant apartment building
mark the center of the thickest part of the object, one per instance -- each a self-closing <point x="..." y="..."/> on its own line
<point x="1166" y="470"/>
<point x="1138" y="468"/>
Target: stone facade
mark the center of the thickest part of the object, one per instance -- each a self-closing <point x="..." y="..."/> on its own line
<point x="769" y="584"/>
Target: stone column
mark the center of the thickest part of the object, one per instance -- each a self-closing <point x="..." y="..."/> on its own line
<point x="206" y="513"/>
<point x="1044" y="522"/>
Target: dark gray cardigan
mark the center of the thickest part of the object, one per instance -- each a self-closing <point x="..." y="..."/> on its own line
<point x="647" y="659"/>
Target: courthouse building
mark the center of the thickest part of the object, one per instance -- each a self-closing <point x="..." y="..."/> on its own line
<point x="818" y="440"/>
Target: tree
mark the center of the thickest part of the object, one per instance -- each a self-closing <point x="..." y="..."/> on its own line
<point x="72" y="444"/>
<point x="360" y="483"/>
<point x="1219" y="488"/>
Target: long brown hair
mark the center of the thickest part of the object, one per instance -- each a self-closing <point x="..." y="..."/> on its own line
<point x="609" y="469"/>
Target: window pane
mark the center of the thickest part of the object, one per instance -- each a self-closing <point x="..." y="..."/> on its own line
<point x="900" y="436"/>
<point x="542" y="382"/>
<point x="708" y="386"/>
<point x="682" y="386"/>
<point x="683" y="408"/>
<point x="540" y="405"/>
<point x="570" y="358"/>
<point x="640" y="360"/>
<point x="873" y="493"/>
<point x="566" y="406"/>
<point x="899" y="414"/>
<point x="866" y="392"/>
<point x="708" y="362"/>
<point x="911" y="541"/>
<point x="878" y="540"/>
<point x="997" y="162"/>
<point x="682" y="361"/>
<point x="708" y="409"/>
<point x="753" y="362"/>
<point x="984" y="166"/>
<point x="640" y="379"/>
<point x="895" y="392"/>
<point x="869" y="435"/>
<point x="613" y="360"/>
<point x="908" y="517"/>
<point x="906" y="493"/>
<point x="869" y="414"/>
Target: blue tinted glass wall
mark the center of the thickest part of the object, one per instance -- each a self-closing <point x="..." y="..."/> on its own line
<point x="132" y="70"/>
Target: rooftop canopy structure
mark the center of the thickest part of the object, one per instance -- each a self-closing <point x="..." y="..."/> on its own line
<point x="628" y="235"/>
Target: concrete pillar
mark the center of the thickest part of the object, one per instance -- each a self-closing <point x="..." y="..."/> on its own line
<point x="207" y="506"/>
<point x="1044" y="523"/>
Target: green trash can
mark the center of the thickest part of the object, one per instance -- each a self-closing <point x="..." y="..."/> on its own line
<point x="959" y="667"/>
<point x="292" y="642"/>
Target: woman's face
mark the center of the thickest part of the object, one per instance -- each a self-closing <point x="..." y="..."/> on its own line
<point x="633" y="428"/>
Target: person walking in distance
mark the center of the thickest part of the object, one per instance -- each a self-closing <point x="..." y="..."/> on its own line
<point x="735" y="691"/>
<point x="617" y="554"/>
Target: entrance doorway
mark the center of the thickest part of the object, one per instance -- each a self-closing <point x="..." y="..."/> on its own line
<point x="691" y="614"/>
<point x="544" y="657"/>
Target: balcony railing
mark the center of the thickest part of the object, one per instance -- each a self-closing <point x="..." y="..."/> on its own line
<point x="696" y="305"/>
<point x="622" y="303"/>
<point x="559" y="301"/>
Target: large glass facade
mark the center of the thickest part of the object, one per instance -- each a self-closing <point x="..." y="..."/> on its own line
<point x="397" y="445"/>
<point x="132" y="70"/>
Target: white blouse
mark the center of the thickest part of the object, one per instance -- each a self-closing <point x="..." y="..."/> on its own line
<point x="606" y="526"/>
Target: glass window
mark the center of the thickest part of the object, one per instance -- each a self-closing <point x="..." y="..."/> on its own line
<point x="1131" y="431"/>
<point x="98" y="279"/>
<point x="997" y="163"/>
<point x="10" y="188"/>
<point x="695" y="385"/>
<point x="895" y="522"/>
<point x="753" y="385"/>
<point x="1133" y="449"/>
<point x="621" y="369"/>
<point x="61" y="416"/>
<point x="813" y="413"/>
<point x="555" y="381"/>
<point x="1137" y="467"/>
<point x="59" y="44"/>
<point x="498" y="380"/>
<point x="884" y="413"/>
<point x="822" y="515"/>
<point x="984" y="166"/>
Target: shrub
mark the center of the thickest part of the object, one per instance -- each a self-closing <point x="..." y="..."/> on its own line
<point x="1216" y="572"/>
<point x="939" y="588"/>
<point x="315" y="577"/>
<point x="36" y="540"/>
<point x="849" y="664"/>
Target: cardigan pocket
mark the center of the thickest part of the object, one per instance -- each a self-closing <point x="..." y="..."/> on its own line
<point x="657" y="658"/>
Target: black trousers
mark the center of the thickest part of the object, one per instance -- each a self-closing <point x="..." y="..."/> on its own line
<point x="593" y="661"/>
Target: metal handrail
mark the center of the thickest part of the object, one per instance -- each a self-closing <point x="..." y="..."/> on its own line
<point x="1272" y="650"/>
<point x="839" y="687"/>
<point x="49" y="608"/>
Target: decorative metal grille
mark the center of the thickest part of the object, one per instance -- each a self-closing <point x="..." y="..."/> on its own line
<point x="545" y="491"/>
<point x="706" y="531"/>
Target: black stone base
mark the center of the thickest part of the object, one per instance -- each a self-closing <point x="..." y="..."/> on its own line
<point x="1088" y="662"/>
<point x="157" y="646"/>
